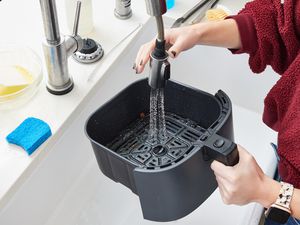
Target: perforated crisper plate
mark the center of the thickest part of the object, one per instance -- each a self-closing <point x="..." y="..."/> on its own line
<point x="134" y="145"/>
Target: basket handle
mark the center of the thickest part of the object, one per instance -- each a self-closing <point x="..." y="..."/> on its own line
<point x="221" y="149"/>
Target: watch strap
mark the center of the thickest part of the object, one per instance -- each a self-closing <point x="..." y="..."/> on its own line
<point x="285" y="195"/>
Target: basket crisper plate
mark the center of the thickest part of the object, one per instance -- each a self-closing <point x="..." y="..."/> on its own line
<point x="134" y="145"/>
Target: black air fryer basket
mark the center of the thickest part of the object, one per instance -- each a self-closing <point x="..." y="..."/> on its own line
<point x="172" y="179"/>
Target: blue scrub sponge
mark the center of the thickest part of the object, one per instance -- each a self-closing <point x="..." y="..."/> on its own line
<point x="30" y="134"/>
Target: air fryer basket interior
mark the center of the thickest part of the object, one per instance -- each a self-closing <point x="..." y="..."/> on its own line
<point x="116" y="115"/>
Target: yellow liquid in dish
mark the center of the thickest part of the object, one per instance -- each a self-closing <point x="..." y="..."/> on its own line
<point x="25" y="73"/>
<point x="14" y="79"/>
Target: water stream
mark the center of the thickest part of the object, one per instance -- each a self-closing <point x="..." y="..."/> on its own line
<point x="157" y="127"/>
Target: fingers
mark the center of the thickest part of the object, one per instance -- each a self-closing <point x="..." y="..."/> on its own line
<point x="175" y="50"/>
<point x="145" y="50"/>
<point x="242" y="152"/>
<point x="223" y="190"/>
<point x="229" y="172"/>
<point x="180" y="39"/>
<point x="143" y="56"/>
<point x="247" y="159"/>
<point x="221" y="187"/>
<point x="220" y="169"/>
<point x="170" y="41"/>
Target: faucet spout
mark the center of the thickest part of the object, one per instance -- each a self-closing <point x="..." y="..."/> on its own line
<point x="159" y="65"/>
<point x="159" y="71"/>
<point x="57" y="49"/>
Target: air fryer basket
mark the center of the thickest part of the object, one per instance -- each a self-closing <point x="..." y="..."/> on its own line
<point x="174" y="178"/>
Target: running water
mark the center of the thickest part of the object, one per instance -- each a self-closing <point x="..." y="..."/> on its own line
<point x="157" y="127"/>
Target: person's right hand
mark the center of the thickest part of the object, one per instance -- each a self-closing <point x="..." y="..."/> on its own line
<point x="245" y="182"/>
<point x="180" y="39"/>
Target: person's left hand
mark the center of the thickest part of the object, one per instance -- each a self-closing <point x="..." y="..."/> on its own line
<point x="245" y="182"/>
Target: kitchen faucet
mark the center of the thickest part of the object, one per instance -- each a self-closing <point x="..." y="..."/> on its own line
<point x="58" y="48"/>
<point x="159" y="65"/>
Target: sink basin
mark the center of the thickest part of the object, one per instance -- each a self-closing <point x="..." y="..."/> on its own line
<point x="67" y="187"/>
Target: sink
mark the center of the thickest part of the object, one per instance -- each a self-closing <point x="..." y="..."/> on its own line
<point x="67" y="187"/>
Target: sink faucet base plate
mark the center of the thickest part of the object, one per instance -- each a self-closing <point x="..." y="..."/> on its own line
<point x="90" y="53"/>
<point x="123" y="17"/>
<point x="61" y="92"/>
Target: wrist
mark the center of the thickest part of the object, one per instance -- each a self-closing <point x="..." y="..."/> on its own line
<point x="268" y="192"/>
<point x="223" y="33"/>
<point x="197" y="32"/>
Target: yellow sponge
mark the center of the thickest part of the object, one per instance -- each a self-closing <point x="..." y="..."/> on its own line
<point x="215" y="14"/>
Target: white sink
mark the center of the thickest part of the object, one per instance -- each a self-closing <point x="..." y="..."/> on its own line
<point x="67" y="188"/>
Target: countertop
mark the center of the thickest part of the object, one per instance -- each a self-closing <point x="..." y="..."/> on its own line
<point x="21" y="23"/>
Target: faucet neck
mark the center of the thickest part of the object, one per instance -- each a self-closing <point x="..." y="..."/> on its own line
<point x="49" y="14"/>
<point x="160" y="28"/>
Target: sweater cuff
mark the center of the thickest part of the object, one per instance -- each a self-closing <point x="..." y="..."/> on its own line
<point x="247" y="32"/>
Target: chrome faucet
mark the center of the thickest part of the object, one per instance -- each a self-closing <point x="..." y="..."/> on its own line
<point x="159" y="64"/>
<point x="123" y="9"/>
<point x="57" y="49"/>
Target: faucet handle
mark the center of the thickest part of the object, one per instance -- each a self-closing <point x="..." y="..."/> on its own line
<point x="76" y="20"/>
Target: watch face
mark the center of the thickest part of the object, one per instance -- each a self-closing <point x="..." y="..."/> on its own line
<point x="278" y="215"/>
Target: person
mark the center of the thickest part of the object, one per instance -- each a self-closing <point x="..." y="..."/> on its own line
<point x="269" y="31"/>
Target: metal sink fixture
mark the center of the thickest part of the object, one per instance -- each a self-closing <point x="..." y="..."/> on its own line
<point x="57" y="49"/>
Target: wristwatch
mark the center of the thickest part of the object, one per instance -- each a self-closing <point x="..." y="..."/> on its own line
<point x="280" y="211"/>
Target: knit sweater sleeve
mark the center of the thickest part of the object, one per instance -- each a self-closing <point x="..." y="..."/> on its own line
<point x="282" y="113"/>
<point x="268" y="35"/>
<point x="268" y="31"/>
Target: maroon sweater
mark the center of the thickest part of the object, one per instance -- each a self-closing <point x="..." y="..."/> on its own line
<point x="270" y="34"/>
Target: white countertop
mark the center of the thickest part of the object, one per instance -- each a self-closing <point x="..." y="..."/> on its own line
<point x="20" y="22"/>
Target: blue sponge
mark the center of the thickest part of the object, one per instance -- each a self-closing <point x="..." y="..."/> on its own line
<point x="30" y="134"/>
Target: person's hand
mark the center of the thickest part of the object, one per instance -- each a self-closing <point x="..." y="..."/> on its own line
<point x="245" y="182"/>
<point x="180" y="39"/>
